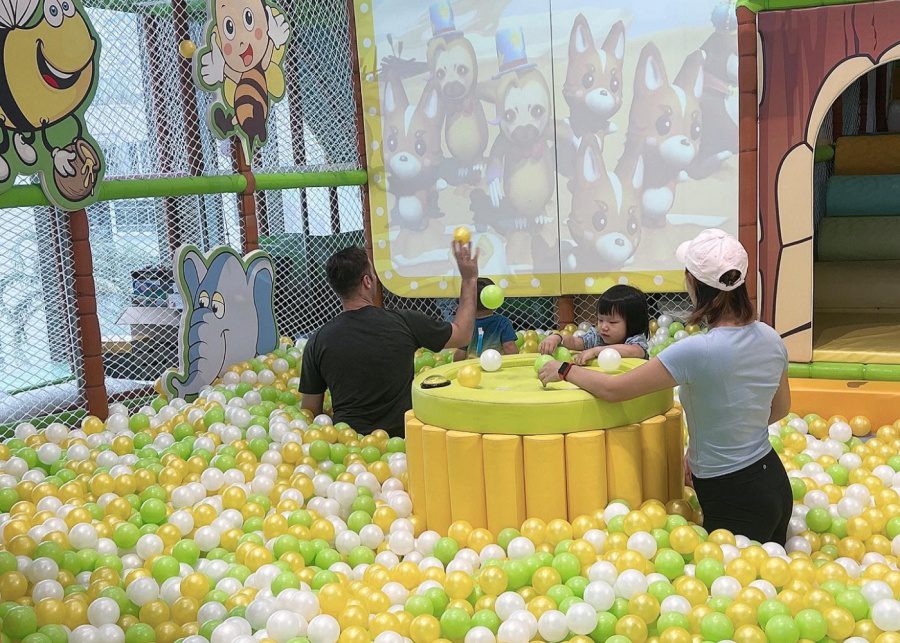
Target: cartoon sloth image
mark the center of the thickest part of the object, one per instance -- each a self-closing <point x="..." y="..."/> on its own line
<point x="664" y="127"/>
<point x="719" y="103"/>
<point x="246" y="44"/>
<point x="452" y="66"/>
<point x="412" y="153"/>
<point x="592" y="89"/>
<point x="48" y="73"/>
<point x="521" y="164"/>
<point x="605" y="221"/>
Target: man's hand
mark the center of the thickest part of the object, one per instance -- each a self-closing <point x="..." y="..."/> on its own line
<point x="550" y="344"/>
<point x="549" y="372"/>
<point x="466" y="260"/>
<point x="688" y="480"/>
<point x="587" y="355"/>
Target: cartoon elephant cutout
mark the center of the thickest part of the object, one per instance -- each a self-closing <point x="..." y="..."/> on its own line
<point x="228" y="317"/>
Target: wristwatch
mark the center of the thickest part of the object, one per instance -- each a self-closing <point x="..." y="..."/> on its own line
<point x="564" y="369"/>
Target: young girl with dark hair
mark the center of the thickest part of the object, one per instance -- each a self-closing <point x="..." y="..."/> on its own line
<point x="733" y="384"/>
<point x="623" y="318"/>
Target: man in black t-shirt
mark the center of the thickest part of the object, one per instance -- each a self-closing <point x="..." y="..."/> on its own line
<point x="364" y="356"/>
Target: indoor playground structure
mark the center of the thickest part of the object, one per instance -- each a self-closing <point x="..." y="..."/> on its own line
<point x="174" y="175"/>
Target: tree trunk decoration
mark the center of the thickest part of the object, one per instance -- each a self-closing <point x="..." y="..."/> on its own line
<point x="809" y="56"/>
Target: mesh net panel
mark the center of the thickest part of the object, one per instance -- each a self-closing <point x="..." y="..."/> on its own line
<point x="132" y="245"/>
<point x="300" y="229"/>
<point x="39" y="357"/>
<point x="525" y="313"/>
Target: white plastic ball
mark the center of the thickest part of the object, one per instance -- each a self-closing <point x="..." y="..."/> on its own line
<point x="552" y="626"/>
<point x="886" y="615"/>
<point x="581" y="618"/>
<point x="609" y="360"/>
<point x="323" y="628"/>
<point x="103" y="611"/>
<point x="491" y="360"/>
<point x="507" y="603"/>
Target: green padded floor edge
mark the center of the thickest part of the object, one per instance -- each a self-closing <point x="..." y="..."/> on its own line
<point x="845" y="371"/>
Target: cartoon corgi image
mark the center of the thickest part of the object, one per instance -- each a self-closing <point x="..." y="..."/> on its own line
<point x="605" y="221"/>
<point x="412" y="153"/>
<point x="719" y="103"/>
<point x="521" y="165"/>
<point x="242" y="59"/>
<point x="664" y="127"/>
<point x="593" y="85"/>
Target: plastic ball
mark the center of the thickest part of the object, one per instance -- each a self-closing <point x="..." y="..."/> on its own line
<point x="469" y="376"/>
<point x="491" y="360"/>
<point x="609" y="360"/>
<point x="187" y="48"/>
<point x="492" y="297"/>
<point x="462" y="235"/>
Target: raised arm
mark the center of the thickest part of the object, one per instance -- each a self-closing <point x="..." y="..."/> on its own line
<point x="644" y="379"/>
<point x="464" y="320"/>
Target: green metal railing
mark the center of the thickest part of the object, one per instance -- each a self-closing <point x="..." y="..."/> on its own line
<point x="120" y="189"/>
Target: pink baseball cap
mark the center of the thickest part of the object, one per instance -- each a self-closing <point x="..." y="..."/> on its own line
<point x="710" y="255"/>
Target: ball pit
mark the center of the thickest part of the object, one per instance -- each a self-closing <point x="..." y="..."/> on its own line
<point x="238" y="517"/>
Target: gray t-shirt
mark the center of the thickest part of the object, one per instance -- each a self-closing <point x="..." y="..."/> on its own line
<point x="728" y="378"/>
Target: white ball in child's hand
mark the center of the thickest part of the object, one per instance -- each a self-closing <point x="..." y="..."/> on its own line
<point x="609" y="360"/>
<point x="491" y="360"/>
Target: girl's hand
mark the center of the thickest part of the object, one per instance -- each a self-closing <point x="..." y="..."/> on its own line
<point x="550" y="372"/>
<point x="587" y="355"/>
<point x="550" y="344"/>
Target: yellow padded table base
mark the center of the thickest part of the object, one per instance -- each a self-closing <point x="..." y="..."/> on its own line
<point x="511" y="449"/>
<point x="498" y="481"/>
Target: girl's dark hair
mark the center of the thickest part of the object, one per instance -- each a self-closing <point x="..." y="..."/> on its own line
<point x="482" y="283"/>
<point x="630" y="304"/>
<point x="714" y="306"/>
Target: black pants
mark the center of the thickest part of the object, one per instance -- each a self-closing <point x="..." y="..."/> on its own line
<point x="755" y="502"/>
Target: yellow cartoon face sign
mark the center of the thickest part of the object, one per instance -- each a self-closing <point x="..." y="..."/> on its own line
<point x="241" y="61"/>
<point x="49" y="54"/>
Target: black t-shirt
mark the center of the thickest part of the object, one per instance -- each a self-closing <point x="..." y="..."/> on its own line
<point x="365" y="358"/>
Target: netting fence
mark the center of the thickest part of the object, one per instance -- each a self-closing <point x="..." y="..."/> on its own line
<point x="149" y="118"/>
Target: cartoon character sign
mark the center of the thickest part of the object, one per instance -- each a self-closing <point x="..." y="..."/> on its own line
<point x="246" y="41"/>
<point x="228" y="316"/>
<point x="48" y="77"/>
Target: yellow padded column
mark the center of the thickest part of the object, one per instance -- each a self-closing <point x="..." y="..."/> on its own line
<point x="623" y="464"/>
<point x="415" y="464"/>
<point x="466" y="472"/>
<point x="504" y="481"/>
<point x="654" y="469"/>
<point x="586" y="472"/>
<point x="545" y="476"/>
<point x="437" y="484"/>
<point x="675" y="454"/>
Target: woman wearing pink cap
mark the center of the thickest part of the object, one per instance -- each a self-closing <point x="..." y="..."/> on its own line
<point x="733" y="384"/>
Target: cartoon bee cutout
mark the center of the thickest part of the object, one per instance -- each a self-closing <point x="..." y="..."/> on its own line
<point x="48" y="76"/>
<point x="246" y="41"/>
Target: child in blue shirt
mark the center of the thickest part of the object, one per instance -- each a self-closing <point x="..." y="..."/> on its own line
<point x="491" y="331"/>
<point x="623" y="320"/>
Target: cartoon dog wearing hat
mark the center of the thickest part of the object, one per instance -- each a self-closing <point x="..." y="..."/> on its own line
<point x="719" y="103"/>
<point x="664" y="129"/>
<point x="521" y="165"/>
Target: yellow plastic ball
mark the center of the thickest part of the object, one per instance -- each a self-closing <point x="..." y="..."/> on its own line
<point x="462" y="235"/>
<point x="633" y="628"/>
<point x="424" y="629"/>
<point x="459" y="585"/>
<point x="493" y="580"/>
<point x="469" y="376"/>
